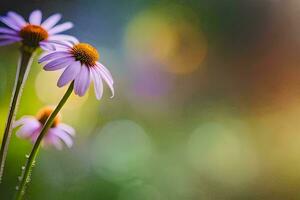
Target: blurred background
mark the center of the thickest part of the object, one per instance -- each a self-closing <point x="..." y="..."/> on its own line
<point x="207" y="103"/>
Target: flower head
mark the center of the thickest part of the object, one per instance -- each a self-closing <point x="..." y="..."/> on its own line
<point x="81" y="64"/>
<point x="34" y="33"/>
<point x="31" y="127"/>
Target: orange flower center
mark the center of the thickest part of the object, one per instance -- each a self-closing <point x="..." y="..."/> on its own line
<point x="32" y="35"/>
<point x="85" y="53"/>
<point x="44" y="114"/>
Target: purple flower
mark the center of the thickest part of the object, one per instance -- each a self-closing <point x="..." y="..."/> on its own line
<point x="80" y="61"/>
<point x="58" y="134"/>
<point x="34" y="33"/>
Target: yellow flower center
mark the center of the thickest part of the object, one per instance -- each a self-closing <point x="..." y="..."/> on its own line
<point x="44" y="114"/>
<point x="85" y="53"/>
<point x="32" y="35"/>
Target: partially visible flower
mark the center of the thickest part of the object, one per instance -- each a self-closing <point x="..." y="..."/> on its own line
<point x="80" y="61"/>
<point x="34" y="33"/>
<point x="30" y="128"/>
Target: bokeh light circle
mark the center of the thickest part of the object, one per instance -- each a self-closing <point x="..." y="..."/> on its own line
<point x="217" y="151"/>
<point x="166" y="38"/>
<point x="121" y="150"/>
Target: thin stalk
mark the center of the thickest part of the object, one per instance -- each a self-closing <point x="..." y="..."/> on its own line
<point x="25" y="177"/>
<point x="23" y="69"/>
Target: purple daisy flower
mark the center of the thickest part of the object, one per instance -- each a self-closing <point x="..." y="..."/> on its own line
<point x="80" y="61"/>
<point x="34" y="33"/>
<point x="58" y="134"/>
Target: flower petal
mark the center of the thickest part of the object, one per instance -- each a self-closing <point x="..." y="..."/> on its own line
<point x="22" y="121"/>
<point x="69" y="74"/>
<point x="58" y="64"/>
<point x="66" y="138"/>
<point x="64" y="37"/>
<point x="82" y="81"/>
<point x="17" y="18"/>
<point x="107" y="80"/>
<point x="28" y="129"/>
<point x="68" y="129"/>
<point x="60" y="28"/>
<point x="54" y="55"/>
<point x="51" y="21"/>
<point x="98" y="85"/>
<point x="52" y="140"/>
<point x="10" y="37"/>
<point x="46" y="46"/>
<point x="35" y="17"/>
<point x="10" y="23"/>
<point x="8" y="31"/>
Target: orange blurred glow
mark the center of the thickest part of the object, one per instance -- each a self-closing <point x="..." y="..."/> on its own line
<point x="169" y="39"/>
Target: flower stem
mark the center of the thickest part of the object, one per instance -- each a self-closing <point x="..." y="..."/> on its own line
<point x="25" y="177"/>
<point x="23" y="69"/>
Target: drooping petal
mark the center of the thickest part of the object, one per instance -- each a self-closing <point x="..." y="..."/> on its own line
<point x="51" y="21"/>
<point x="22" y="121"/>
<point x="98" y="85"/>
<point x="8" y="31"/>
<point x="82" y="81"/>
<point x="54" y="55"/>
<point x="28" y="129"/>
<point x="64" y="37"/>
<point x="58" y="64"/>
<point x="63" y="136"/>
<point x="60" y="28"/>
<point x="17" y="18"/>
<point x="52" y="140"/>
<point x="107" y="80"/>
<point x="68" y="129"/>
<point x="35" y="17"/>
<point x="10" y="23"/>
<point x="106" y="71"/>
<point x="69" y="74"/>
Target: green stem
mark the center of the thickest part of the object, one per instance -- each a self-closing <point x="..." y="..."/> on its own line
<point x="25" y="177"/>
<point x="24" y="65"/>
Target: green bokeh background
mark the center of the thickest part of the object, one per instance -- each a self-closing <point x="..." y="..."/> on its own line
<point x="206" y="107"/>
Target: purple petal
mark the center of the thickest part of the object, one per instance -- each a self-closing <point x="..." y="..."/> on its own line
<point x="8" y="31"/>
<point x="54" y="55"/>
<point x="28" y="129"/>
<point x="98" y="85"/>
<point x="6" y="42"/>
<point x="105" y="72"/>
<point x="17" y="18"/>
<point x="35" y="17"/>
<point x="64" y="37"/>
<point x="82" y="81"/>
<point x="10" y="37"/>
<point x="104" y="68"/>
<point x="107" y="80"/>
<point x="63" y="136"/>
<point x="60" y="28"/>
<point x="61" y="44"/>
<point x="52" y="140"/>
<point x="22" y="121"/>
<point x="10" y="23"/>
<point x="51" y="21"/>
<point x="68" y="129"/>
<point x="46" y="46"/>
<point x="69" y="74"/>
<point x="59" y="64"/>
